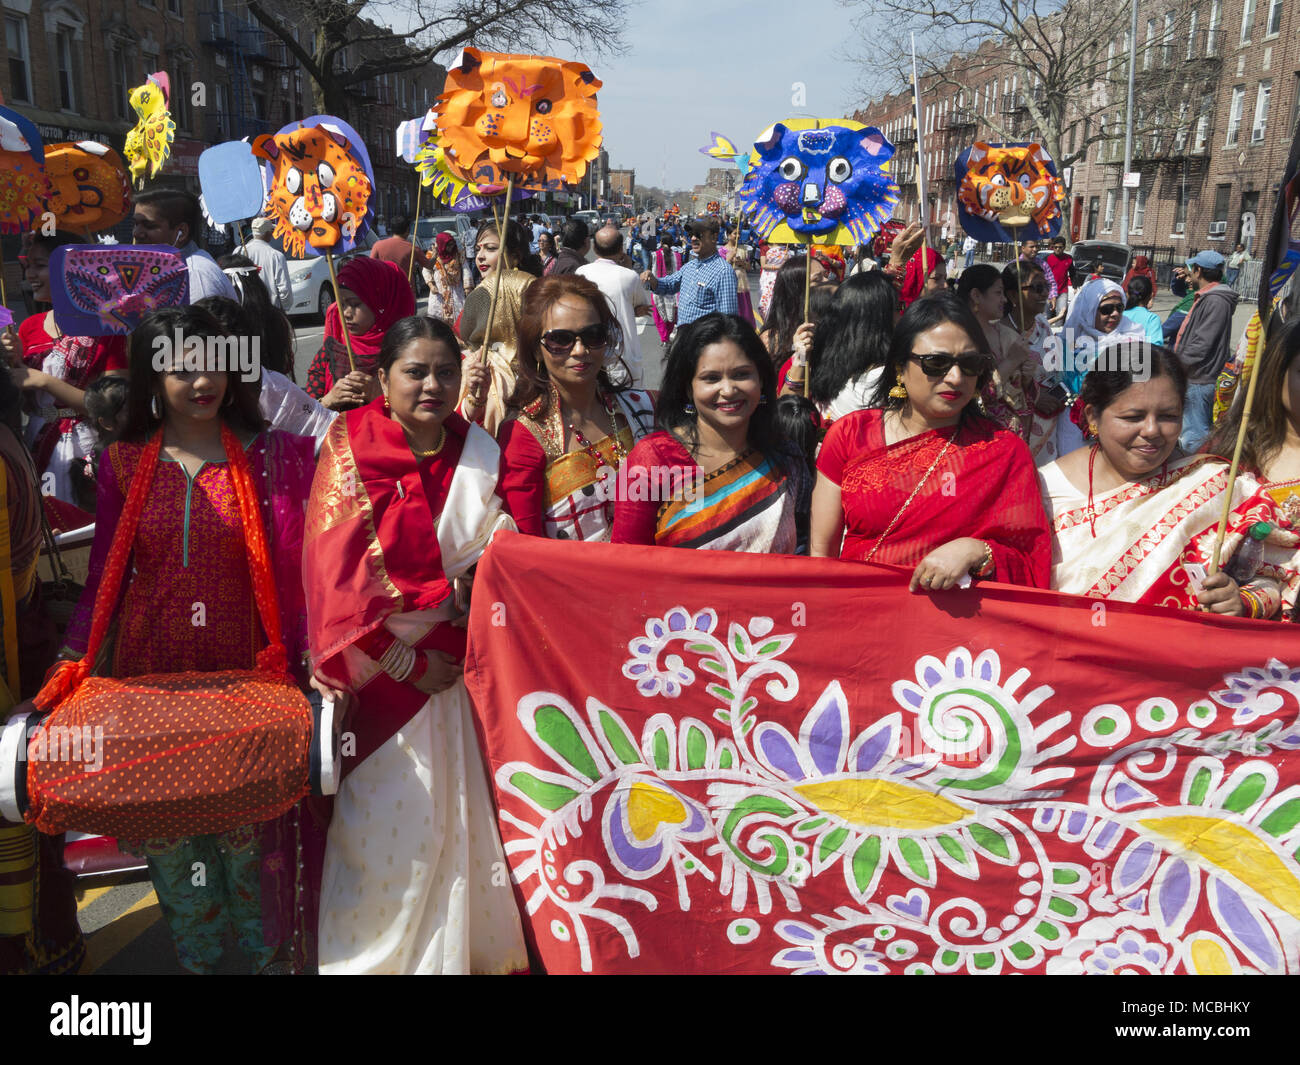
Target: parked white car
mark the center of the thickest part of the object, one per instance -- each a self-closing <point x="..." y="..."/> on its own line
<point x="310" y="281"/>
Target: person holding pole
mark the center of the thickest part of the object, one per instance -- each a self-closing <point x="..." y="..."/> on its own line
<point x="705" y="284"/>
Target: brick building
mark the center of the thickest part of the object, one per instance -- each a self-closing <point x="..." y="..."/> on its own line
<point x="621" y="185"/>
<point x="1203" y="164"/>
<point x="71" y="64"/>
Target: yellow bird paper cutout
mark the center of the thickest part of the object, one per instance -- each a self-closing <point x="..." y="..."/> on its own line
<point x="149" y="144"/>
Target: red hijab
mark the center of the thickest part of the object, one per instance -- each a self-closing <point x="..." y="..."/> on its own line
<point x="914" y="277"/>
<point x="384" y="289"/>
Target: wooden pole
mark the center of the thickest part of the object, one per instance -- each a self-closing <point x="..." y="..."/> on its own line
<point x="1221" y="532"/>
<point x="503" y="264"/>
<point x="415" y="231"/>
<point x="807" y="299"/>
<point x="347" y="337"/>
<point x="4" y="298"/>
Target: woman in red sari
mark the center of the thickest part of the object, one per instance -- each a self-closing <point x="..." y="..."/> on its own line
<point x="928" y="482"/>
<point x="373" y="295"/>
<point x="923" y="278"/>
<point x="403" y="504"/>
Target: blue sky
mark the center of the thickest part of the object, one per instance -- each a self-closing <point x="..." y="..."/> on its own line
<point x="694" y="66"/>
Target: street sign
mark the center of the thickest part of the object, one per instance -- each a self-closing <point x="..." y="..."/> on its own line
<point x="1132" y="179"/>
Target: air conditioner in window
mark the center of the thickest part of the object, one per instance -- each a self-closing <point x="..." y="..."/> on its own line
<point x="1218" y="229"/>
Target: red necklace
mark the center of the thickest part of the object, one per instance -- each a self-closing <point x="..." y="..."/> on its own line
<point x="584" y="443"/>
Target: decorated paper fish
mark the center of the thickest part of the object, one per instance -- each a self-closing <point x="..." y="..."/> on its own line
<point x="725" y="151"/>
<point x="819" y="181"/>
<point x="529" y="118"/>
<point x="149" y="144"/>
<point x="22" y="173"/>
<point x="98" y="290"/>
<point x="1003" y="187"/>
<point x="320" y="184"/>
<point x="89" y="186"/>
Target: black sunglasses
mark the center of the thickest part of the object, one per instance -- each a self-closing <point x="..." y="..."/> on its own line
<point x="561" y="341"/>
<point x="939" y="363"/>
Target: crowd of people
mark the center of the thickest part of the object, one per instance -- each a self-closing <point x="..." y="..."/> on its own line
<point x="865" y="411"/>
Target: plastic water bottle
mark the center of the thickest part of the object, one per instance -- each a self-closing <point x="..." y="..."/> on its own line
<point x="1245" y="563"/>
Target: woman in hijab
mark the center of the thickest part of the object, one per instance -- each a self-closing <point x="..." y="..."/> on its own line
<point x="1096" y="321"/>
<point x="1141" y="268"/>
<point x="923" y="279"/>
<point x="373" y="295"/>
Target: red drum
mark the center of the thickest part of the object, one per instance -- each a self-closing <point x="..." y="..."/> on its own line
<point x="163" y="756"/>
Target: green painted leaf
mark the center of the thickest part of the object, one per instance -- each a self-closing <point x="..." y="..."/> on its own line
<point x="865" y="860"/>
<point x="1023" y="951"/>
<point x="1065" y="876"/>
<point x="749" y="724"/>
<point x="696" y="748"/>
<point x="723" y="715"/>
<point x="700" y="648"/>
<point x="1200" y="787"/>
<point x="1048" y="930"/>
<point x="1246" y="793"/>
<point x="714" y="666"/>
<point x="1283" y="819"/>
<point x="811" y="824"/>
<point x="914" y="855"/>
<point x="949" y="957"/>
<point x="738" y="642"/>
<point x="721" y="691"/>
<point x="769" y="648"/>
<point x="623" y="747"/>
<point x="660" y="749"/>
<point x="984" y="960"/>
<point x="759" y="804"/>
<point x="1065" y="907"/>
<point x="990" y="841"/>
<point x="557" y="731"/>
<point x="547" y="795"/>
<point x="831" y="842"/>
<point x="748" y="705"/>
<point x="954" y="849"/>
<point x="724" y="759"/>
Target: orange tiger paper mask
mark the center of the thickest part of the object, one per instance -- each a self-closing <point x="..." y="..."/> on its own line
<point x="526" y="116"/>
<point x="1009" y="186"/>
<point x="89" y="186"/>
<point x="320" y="185"/>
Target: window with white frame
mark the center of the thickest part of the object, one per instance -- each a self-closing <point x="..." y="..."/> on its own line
<point x="1167" y="41"/>
<point x="1261" y="112"/>
<point x="1139" y="214"/>
<point x="121" y="72"/>
<point x="1247" y="20"/>
<point x="64" y="69"/>
<point x="1273" y="24"/>
<point x="1149" y="50"/>
<point x="1234" y="116"/>
<point x="20" y="63"/>
<point x="1212" y="32"/>
<point x="1108" y="216"/>
<point x="1191" y="34"/>
<point x="1180" y="210"/>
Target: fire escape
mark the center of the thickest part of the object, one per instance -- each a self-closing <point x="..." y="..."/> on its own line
<point x="254" y="62"/>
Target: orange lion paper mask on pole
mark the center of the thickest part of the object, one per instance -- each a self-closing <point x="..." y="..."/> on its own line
<point x="527" y="119"/>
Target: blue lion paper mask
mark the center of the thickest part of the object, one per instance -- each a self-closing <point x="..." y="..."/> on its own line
<point x="830" y="183"/>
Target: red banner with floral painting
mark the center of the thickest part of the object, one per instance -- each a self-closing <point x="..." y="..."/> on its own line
<point x="714" y="762"/>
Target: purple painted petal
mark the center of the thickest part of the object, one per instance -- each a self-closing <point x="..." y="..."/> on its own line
<point x="1099" y="963"/>
<point x="780" y="753"/>
<point x="871" y="752"/>
<point x="642" y="648"/>
<point x="1153" y="956"/>
<point x="802" y="956"/>
<point x="1174" y="890"/>
<point x="639" y="668"/>
<point x="825" y="737"/>
<point x="636" y="856"/>
<point x="1043" y="818"/>
<point x="648" y="686"/>
<point x="986" y="670"/>
<point x="656" y="628"/>
<point x="703" y="622"/>
<point x="1104" y="837"/>
<point x="1125" y="792"/>
<point x="1243" y="924"/>
<point x="1233" y="697"/>
<point x="792" y="930"/>
<point x="959" y="668"/>
<point x="931" y="677"/>
<point x="677" y="621"/>
<point x="1135" y="867"/>
<point x="1075" y="823"/>
<point x="913" y="697"/>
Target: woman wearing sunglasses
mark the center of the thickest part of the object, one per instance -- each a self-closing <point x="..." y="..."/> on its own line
<point x="927" y="482"/>
<point x="577" y="419"/>
<point x="719" y="475"/>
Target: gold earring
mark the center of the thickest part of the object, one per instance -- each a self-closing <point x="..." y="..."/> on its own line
<point x="387" y="408"/>
<point x="898" y="391"/>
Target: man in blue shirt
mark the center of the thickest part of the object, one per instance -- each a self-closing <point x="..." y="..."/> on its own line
<point x="705" y="284"/>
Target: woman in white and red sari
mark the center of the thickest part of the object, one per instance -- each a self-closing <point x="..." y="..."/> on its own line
<point x="403" y="504"/>
<point x="1134" y="520"/>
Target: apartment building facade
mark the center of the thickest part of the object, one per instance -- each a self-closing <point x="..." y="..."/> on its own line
<point x="1207" y="161"/>
<point x="72" y="63"/>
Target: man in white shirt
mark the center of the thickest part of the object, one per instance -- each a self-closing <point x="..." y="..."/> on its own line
<point x="624" y="291"/>
<point x="275" y="268"/>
